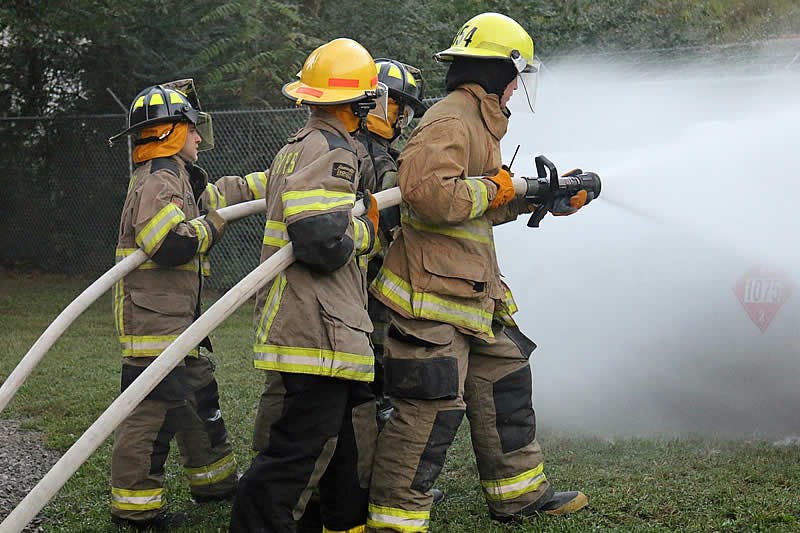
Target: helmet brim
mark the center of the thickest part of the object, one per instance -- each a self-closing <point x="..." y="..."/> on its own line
<point x="146" y="124"/>
<point x="300" y="93"/>
<point x="451" y="53"/>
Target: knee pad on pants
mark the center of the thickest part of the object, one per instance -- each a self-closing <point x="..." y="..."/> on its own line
<point x="427" y="375"/>
<point x="441" y="437"/>
<point x="516" y="420"/>
<point x="209" y="412"/>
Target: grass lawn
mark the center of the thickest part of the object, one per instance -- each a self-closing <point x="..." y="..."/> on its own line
<point x="633" y="485"/>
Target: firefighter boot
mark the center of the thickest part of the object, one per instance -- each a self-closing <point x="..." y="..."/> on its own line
<point x="552" y="503"/>
<point x="165" y="521"/>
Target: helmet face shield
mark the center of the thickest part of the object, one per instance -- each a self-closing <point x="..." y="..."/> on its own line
<point x="528" y="84"/>
<point x="205" y="129"/>
<point x="406" y="116"/>
<point x="381" y="109"/>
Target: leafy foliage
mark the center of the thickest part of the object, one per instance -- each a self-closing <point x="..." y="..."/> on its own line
<point x="60" y="57"/>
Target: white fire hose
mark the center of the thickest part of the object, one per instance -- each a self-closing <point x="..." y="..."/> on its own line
<point x="80" y="304"/>
<point x="124" y="404"/>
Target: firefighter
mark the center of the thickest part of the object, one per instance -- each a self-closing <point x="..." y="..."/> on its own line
<point x="378" y="167"/>
<point x="452" y="345"/>
<point x="315" y="426"/>
<point x="161" y="298"/>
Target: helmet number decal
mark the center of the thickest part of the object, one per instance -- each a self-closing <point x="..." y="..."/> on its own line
<point x="465" y="36"/>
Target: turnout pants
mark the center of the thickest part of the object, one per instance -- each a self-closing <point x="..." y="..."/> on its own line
<point x="311" y="431"/>
<point x="185" y="405"/>
<point x="434" y="374"/>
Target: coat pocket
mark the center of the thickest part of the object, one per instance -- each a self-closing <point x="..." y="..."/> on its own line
<point x="345" y="325"/>
<point x="464" y="277"/>
<point x="156" y="313"/>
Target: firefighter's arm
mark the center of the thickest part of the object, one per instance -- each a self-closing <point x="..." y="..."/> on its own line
<point x="231" y="190"/>
<point x="317" y="209"/>
<point x="432" y="175"/>
<point x="162" y="230"/>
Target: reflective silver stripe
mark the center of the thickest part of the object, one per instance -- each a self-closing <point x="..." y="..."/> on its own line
<point x="513" y="487"/>
<point x="137" y="500"/>
<point x="158" y="227"/>
<point x="478" y="229"/>
<point x="257" y="181"/>
<point x="295" y="202"/>
<point x="480" y="197"/>
<point x="430" y="306"/>
<point x="316" y="361"/>
<point x="397" y="519"/>
<point x="213" y="473"/>
<point x="275" y="234"/>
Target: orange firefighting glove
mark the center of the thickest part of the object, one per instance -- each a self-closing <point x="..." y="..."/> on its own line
<point x="564" y="205"/>
<point x="217" y="225"/>
<point x="505" y="188"/>
<point x="567" y="206"/>
<point x="371" y="212"/>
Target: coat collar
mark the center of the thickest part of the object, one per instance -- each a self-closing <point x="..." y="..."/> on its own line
<point x="494" y="117"/>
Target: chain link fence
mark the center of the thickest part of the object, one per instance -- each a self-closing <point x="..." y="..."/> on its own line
<point x="61" y="212"/>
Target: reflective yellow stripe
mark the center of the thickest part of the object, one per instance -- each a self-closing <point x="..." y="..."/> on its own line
<point x="295" y="202"/>
<point x="119" y="302"/>
<point x="505" y="308"/>
<point x="271" y="306"/>
<point x="205" y="265"/>
<point x="275" y="234"/>
<point x="155" y="230"/>
<point x="513" y="487"/>
<point x="357" y="529"/>
<point x="203" y="240"/>
<point x="478" y="230"/>
<point x="257" y="182"/>
<point x="215" y="198"/>
<point x="480" y="197"/>
<point x="213" y="473"/>
<point x="122" y="253"/>
<point x="316" y="361"/>
<point x="397" y="519"/>
<point x="145" y="345"/>
<point x="361" y="236"/>
<point x="429" y="306"/>
<point x="137" y="500"/>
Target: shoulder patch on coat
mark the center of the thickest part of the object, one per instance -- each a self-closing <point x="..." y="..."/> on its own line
<point x="336" y="141"/>
<point x="164" y="163"/>
<point x="344" y="171"/>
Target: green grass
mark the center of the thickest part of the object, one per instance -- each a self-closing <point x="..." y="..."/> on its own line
<point x="687" y="484"/>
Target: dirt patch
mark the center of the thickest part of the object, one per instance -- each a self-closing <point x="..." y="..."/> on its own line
<point x="24" y="460"/>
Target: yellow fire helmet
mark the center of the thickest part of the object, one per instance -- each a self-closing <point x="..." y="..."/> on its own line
<point x="338" y="72"/>
<point x="492" y="36"/>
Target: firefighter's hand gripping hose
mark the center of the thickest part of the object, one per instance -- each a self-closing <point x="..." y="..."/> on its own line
<point x="559" y="195"/>
<point x="505" y="188"/>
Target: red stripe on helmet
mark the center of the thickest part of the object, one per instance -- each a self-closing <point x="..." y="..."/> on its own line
<point x="309" y="91"/>
<point x="373" y="81"/>
<point x="343" y="82"/>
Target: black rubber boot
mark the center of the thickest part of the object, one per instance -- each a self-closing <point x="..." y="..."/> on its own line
<point x="162" y="522"/>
